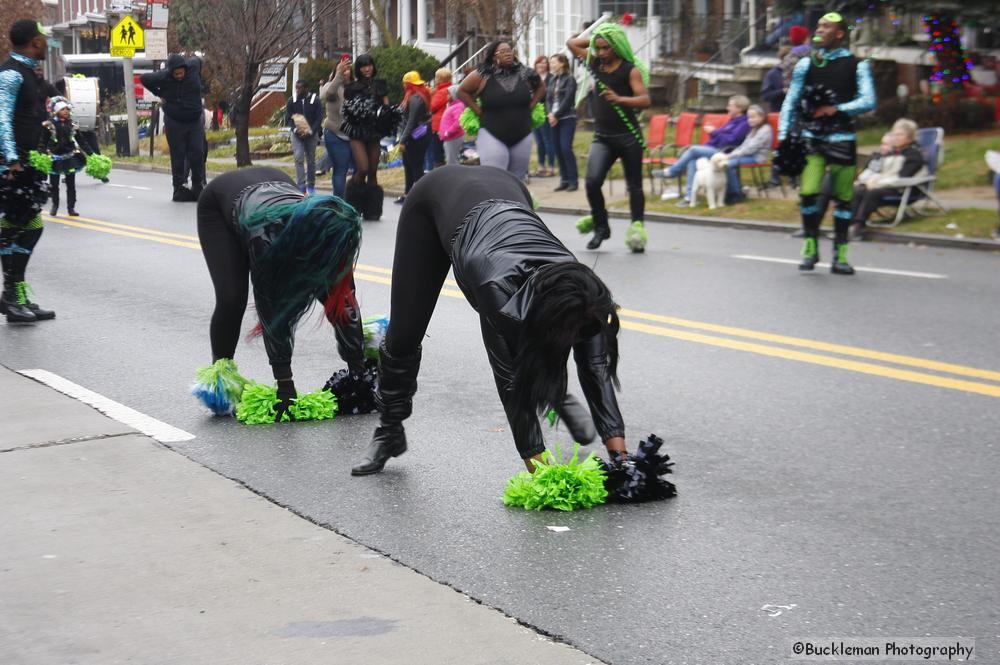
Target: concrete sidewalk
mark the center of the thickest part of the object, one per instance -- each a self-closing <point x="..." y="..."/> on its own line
<point x="116" y="549"/>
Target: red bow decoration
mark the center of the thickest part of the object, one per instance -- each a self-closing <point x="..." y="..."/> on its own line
<point x="627" y="18"/>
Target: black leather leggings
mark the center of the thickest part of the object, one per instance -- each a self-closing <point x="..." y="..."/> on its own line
<point x="603" y="152"/>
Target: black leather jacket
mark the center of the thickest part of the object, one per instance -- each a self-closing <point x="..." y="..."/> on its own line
<point x="495" y="253"/>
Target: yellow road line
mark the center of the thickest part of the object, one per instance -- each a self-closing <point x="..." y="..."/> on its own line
<point x="364" y="270"/>
<point x="126" y="227"/>
<point x="127" y="234"/>
<point x="816" y="359"/>
<point x="818" y="346"/>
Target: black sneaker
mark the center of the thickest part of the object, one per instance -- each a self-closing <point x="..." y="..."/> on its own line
<point x="184" y="195"/>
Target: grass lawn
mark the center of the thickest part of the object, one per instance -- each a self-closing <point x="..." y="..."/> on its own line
<point x="968" y="222"/>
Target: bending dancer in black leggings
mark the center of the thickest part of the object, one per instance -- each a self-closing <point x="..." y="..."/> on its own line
<point x="536" y="302"/>
<point x="252" y="222"/>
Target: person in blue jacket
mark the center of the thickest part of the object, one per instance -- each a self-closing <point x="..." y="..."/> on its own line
<point x="828" y="90"/>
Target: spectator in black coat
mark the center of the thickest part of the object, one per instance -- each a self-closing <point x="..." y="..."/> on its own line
<point x="304" y="116"/>
<point x="772" y="89"/>
<point x="180" y="88"/>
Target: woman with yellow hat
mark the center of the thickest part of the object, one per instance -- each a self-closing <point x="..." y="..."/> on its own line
<point x="415" y="137"/>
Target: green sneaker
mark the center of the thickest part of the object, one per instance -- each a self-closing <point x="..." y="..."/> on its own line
<point x="840" y="266"/>
<point x="810" y="254"/>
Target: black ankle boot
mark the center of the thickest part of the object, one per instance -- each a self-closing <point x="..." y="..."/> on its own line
<point x="397" y="382"/>
<point x="375" y="198"/>
<point x="356" y="195"/>
<point x="839" y="265"/>
<point x="16" y="310"/>
<point x="601" y="233"/>
<point x="810" y="254"/>
<point x="387" y="442"/>
<point x="23" y="292"/>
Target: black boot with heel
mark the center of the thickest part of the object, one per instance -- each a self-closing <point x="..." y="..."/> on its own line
<point x="397" y="383"/>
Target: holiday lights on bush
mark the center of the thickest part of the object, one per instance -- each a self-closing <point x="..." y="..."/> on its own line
<point x="951" y="67"/>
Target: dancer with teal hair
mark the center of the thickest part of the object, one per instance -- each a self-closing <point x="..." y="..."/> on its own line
<point x="296" y="250"/>
<point x="620" y="80"/>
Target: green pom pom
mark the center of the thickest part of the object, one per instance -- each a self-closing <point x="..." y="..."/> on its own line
<point x="559" y="486"/>
<point x="219" y="386"/>
<point x="40" y="161"/>
<point x="636" y="237"/>
<point x="585" y="224"/>
<point x="535" y="203"/>
<point x="469" y="121"/>
<point x="319" y="405"/>
<point x="98" y="166"/>
<point x="538" y="116"/>
<point x="551" y="416"/>
<point x="257" y="404"/>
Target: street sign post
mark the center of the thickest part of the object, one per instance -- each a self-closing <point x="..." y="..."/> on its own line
<point x="126" y="37"/>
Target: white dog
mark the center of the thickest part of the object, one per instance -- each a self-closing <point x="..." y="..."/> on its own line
<point x="710" y="178"/>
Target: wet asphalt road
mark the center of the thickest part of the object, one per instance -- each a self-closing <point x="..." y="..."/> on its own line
<point x="823" y="491"/>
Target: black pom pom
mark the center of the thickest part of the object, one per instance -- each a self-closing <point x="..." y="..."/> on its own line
<point x="790" y="156"/>
<point x="637" y="478"/>
<point x="355" y="393"/>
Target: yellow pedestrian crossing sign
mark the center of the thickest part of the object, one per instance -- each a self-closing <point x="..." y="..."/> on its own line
<point x="126" y="38"/>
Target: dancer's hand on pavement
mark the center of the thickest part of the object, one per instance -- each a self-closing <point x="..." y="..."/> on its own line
<point x="286" y="395"/>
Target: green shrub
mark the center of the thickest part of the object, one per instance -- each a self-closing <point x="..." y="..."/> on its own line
<point x="315" y="73"/>
<point x="394" y="61"/>
<point x="953" y="113"/>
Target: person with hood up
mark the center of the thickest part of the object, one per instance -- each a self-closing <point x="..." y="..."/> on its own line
<point x="179" y="87"/>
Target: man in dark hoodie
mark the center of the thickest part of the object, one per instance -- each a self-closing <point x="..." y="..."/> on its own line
<point x="179" y="88"/>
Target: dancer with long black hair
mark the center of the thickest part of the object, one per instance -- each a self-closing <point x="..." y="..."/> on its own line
<point x="367" y="119"/>
<point x="620" y="81"/>
<point x="536" y="303"/>
<point x="296" y="249"/>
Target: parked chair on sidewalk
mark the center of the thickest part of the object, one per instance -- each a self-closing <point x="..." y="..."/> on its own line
<point x="655" y="144"/>
<point x="683" y="138"/>
<point x="917" y="188"/>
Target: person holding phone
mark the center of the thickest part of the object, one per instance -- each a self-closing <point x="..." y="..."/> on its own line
<point x="338" y="144"/>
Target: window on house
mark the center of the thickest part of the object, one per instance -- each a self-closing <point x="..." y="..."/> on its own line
<point x="637" y="8"/>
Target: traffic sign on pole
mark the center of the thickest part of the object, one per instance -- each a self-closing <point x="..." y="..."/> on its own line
<point x="126" y="37"/>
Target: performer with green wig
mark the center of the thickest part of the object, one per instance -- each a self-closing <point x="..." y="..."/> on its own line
<point x="296" y="250"/>
<point x="620" y="80"/>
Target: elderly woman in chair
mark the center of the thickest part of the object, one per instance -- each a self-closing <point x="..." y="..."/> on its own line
<point x="904" y="159"/>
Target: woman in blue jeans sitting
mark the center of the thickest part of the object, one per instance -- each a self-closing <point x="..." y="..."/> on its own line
<point x="730" y="135"/>
<point x="755" y="149"/>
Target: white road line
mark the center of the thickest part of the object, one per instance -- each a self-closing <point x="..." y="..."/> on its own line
<point x="148" y="425"/>
<point x="115" y="184"/>
<point x="881" y="271"/>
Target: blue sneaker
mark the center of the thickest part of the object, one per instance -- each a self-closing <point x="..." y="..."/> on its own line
<point x="310" y="191"/>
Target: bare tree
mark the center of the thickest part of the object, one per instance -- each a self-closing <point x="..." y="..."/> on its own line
<point x="237" y="37"/>
<point x="376" y="11"/>
<point x="13" y="10"/>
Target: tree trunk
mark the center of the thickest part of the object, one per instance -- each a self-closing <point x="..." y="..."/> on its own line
<point x="242" y="113"/>
<point x="242" y="117"/>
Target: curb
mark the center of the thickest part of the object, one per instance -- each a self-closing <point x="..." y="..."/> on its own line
<point x="928" y="239"/>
